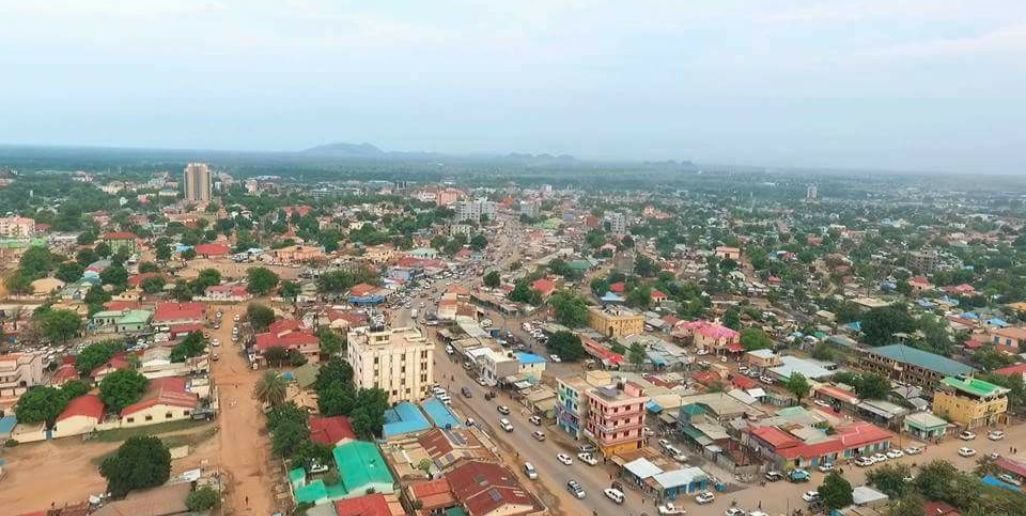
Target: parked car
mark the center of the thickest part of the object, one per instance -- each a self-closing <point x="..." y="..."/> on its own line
<point x="555" y="358"/>
<point x="530" y="471"/>
<point x="826" y="467"/>
<point x="734" y="511"/>
<point x="773" y="476"/>
<point x="538" y="435"/>
<point x="967" y="436"/>
<point x="586" y="448"/>
<point x="966" y="452"/>
<point x="913" y="450"/>
<point x="614" y="494"/>
<point x="663" y="443"/>
<point x="565" y="459"/>
<point x="810" y="496"/>
<point x="535" y="420"/>
<point x="879" y="457"/>
<point x="670" y="508"/>
<point x="895" y="453"/>
<point x="995" y="435"/>
<point x="505" y="424"/>
<point x="1010" y="479"/>
<point x="466" y="392"/>
<point x="504" y="410"/>
<point x="798" y="475"/>
<point x="575" y="488"/>
<point x="705" y="497"/>
<point x="864" y="461"/>
<point x="587" y="458"/>
<point x="215" y="342"/>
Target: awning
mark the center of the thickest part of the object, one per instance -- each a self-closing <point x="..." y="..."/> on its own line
<point x="668" y="419"/>
<point x="653" y="407"/>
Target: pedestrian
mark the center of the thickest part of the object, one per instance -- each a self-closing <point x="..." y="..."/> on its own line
<point x="247" y="501"/>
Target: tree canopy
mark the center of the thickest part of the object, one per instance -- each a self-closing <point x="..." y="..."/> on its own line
<point x="260" y="317"/>
<point x="567" y="346"/>
<point x="260" y="281"/>
<point x="836" y="492"/>
<point x="140" y="462"/>
<point x="122" y="388"/>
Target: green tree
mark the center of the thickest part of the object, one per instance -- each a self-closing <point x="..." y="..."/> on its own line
<point x="140" y="462"/>
<point x="153" y="284"/>
<point x="798" y="385"/>
<point x="69" y="272"/>
<point x="188" y="254"/>
<point x="59" y="325"/>
<point x="334" y="372"/>
<point x="36" y="262"/>
<point x="369" y="414"/>
<point x="260" y="280"/>
<point x="331" y="342"/>
<point x="872" y="386"/>
<point x="202" y="499"/>
<point x="890" y="479"/>
<point x="911" y="505"/>
<point x="640" y="297"/>
<point x="478" y="242"/>
<point x="85" y="257"/>
<point x="286" y="412"/>
<point x="122" y="388"/>
<point x="754" y="338"/>
<point x="308" y="453"/>
<point x="288" y="437"/>
<point x="114" y="275"/>
<point x="95" y="355"/>
<point x="336" y="400"/>
<point x="102" y="250"/>
<point x="193" y="345"/>
<point x="181" y="292"/>
<point x="636" y="355"/>
<point x="570" y="309"/>
<point x="289" y="290"/>
<point x="148" y="267"/>
<point x="271" y="389"/>
<point x="492" y="279"/>
<point x="523" y="293"/>
<point x="260" y="317"/>
<point x="645" y="266"/>
<point x="836" y="492"/>
<point x="40" y="404"/>
<point x="732" y="318"/>
<point x="18" y="282"/>
<point x="566" y="345"/>
<point x="880" y="324"/>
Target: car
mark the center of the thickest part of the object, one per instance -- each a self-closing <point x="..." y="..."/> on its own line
<point x="565" y="459"/>
<point x="966" y="452"/>
<point x="615" y="495"/>
<point x="480" y="380"/>
<point x="555" y="358"/>
<point x="575" y="488"/>
<point x="810" y="496"/>
<point x="895" y="453"/>
<point x="535" y="420"/>
<point x="449" y="349"/>
<point x="504" y="410"/>
<point x="647" y="432"/>
<point x="913" y="450"/>
<point x="586" y="448"/>
<point x="702" y="352"/>
<point x="705" y="497"/>
<point x="826" y="467"/>
<point x="864" y="461"/>
<point x="670" y="508"/>
<point x="1010" y="479"/>
<point x="879" y="457"/>
<point x="742" y="369"/>
<point x="766" y="380"/>
<point x="236" y="318"/>
<point x="317" y="467"/>
<point x="466" y="392"/>
<point x="587" y="458"/>
<point x="734" y="511"/>
<point x="530" y="471"/>
<point x="664" y="443"/>
<point x="967" y="436"/>
<point x="215" y="357"/>
<point x="505" y="424"/>
<point x="993" y="455"/>
<point x="444" y="398"/>
<point x="538" y="435"/>
<point x="798" y="475"/>
<point x="995" y="435"/>
<point x="773" y="476"/>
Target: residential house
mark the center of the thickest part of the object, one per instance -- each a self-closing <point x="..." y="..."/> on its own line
<point x="489" y="489"/>
<point x="709" y="336"/>
<point x="172" y="314"/>
<point x="805" y="446"/>
<point x="724" y="252"/>
<point x="970" y="402"/>
<point x="297" y="254"/>
<point x="167" y="399"/>
<point x="531" y="366"/>
<point x="1010" y="337"/>
<point x="82" y="415"/>
<point x="910" y="365"/>
<point x="367" y="294"/>
<point x="545" y="286"/>
<point x="331" y="430"/>
<point x="227" y="294"/>
<point x="120" y="321"/>
<point x="615" y="322"/>
<point x="289" y="334"/>
<point x="212" y="250"/>
<point x="925" y="426"/>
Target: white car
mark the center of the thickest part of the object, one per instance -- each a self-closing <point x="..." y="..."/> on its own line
<point x="575" y="488"/>
<point x="535" y="420"/>
<point x="565" y="459"/>
<point x="895" y="454"/>
<point x="913" y="450"/>
<point x="864" y="461"/>
<point x="670" y="508"/>
<point x="538" y="435"/>
<point x="705" y="497"/>
<point x="810" y="496"/>
<point x="647" y="432"/>
<point x="995" y="435"/>
<point x="879" y="457"/>
<point x="215" y="342"/>
<point x="555" y="358"/>
<point x="966" y="452"/>
<point x="587" y="458"/>
<point x="967" y="436"/>
<point x="615" y="495"/>
<point x="826" y="467"/>
<point x="734" y="511"/>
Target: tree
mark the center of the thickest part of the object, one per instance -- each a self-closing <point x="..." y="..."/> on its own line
<point x="492" y="279"/>
<point x="188" y="253"/>
<point x="271" y="389"/>
<point x="645" y="266"/>
<point x="153" y="284"/>
<point x="308" y="453"/>
<point x="102" y="250"/>
<point x="114" y="275"/>
<point x="59" y="325"/>
<point x="181" y="292"/>
<point x="478" y="242"/>
<point x="288" y="437"/>
<point x="331" y="342"/>
<point x="69" y="272"/>
<point x="202" y="499"/>
<point x="148" y="267"/>
<point x="36" y="262"/>
<point x="95" y="355"/>
<point x="140" y="462"/>
<point x="911" y="505"/>
<point x="636" y="354"/>
<point x="872" y="386"/>
<point x="369" y="415"/>
<point x="260" y="280"/>
<point x="336" y="400"/>
<point x="86" y="256"/>
<point x="40" y="404"/>
<point x="122" y="388"/>
<point x="836" y="492"/>
<point x="260" y="316"/>
<point x="162" y="252"/>
<point x="18" y="282"/>
<point x="640" y="297"/>
<point x="567" y="346"/>
<point x="334" y="372"/>
<point x="890" y="479"/>
<point x="206" y="278"/>
<point x="289" y="290"/>
<point x="570" y="309"/>
<point x="798" y="385"/>
<point x="277" y="355"/>
<point x="523" y="293"/>
<point x="732" y="318"/>
<point x="754" y="338"/>
<point x="193" y="345"/>
<point x="989" y="358"/>
<point x="880" y="324"/>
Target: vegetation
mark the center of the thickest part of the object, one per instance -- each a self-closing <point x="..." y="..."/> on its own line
<point x="260" y="317"/>
<point x="193" y="345"/>
<point x="122" y="388"/>
<point x="567" y="346"/>
<point x="260" y="281"/>
<point x="798" y="385"/>
<point x="836" y="492"/>
<point x="202" y="499"/>
<point x="97" y="354"/>
<point x="271" y="389"/>
<point x="139" y="463"/>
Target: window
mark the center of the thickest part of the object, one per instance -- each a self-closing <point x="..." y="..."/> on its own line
<point x="186" y="412"/>
<point x="375" y="360"/>
<point x="168" y="415"/>
<point x="149" y="418"/>
<point x="131" y="420"/>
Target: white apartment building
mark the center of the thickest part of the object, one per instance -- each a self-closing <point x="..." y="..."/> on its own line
<point x="397" y="360"/>
<point x="617" y="223"/>
<point x="197" y="182"/>
<point x="473" y="210"/>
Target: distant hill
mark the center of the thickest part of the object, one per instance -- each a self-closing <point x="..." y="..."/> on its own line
<point x="370" y="151"/>
<point x="361" y="150"/>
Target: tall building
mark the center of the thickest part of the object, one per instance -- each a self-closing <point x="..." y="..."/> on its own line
<point x="615" y="322"/>
<point x="17" y="227"/>
<point x="615" y="418"/>
<point x="197" y="182"/>
<point x="617" y="223"/>
<point x="969" y="402"/>
<point x="397" y="360"/>
<point x="474" y="210"/>
<point x="811" y="193"/>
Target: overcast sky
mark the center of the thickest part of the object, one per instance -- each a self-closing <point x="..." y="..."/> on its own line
<point x="890" y="84"/>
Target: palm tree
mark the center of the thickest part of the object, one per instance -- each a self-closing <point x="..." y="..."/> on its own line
<point x="271" y="389"/>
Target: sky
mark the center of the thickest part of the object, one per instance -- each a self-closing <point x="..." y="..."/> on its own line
<point x="923" y="85"/>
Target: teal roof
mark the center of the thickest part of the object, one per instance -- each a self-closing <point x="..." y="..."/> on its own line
<point x="360" y="466"/>
<point x="973" y="386"/>
<point x="912" y="356"/>
<point x="312" y="493"/>
<point x="297" y="476"/>
<point x="136" y="317"/>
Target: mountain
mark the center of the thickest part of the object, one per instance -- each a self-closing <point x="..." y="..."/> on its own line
<point x="352" y="150"/>
<point x="369" y="151"/>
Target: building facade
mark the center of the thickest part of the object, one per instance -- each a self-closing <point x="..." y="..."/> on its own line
<point x="397" y="360"/>
<point x="906" y="364"/>
<point x="197" y="182"/>
<point x="17" y="227"/>
<point x="616" y="417"/>
<point x="615" y="322"/>
<point x="474" y="210"/>
<point x="970" y="403"/>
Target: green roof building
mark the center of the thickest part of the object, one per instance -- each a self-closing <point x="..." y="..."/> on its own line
<point x="362" y="468"/>
<point x="971" y="403"/>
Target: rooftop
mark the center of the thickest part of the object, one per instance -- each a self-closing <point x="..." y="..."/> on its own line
<point x="973" y="386"/>
<point x="912" y="356"/>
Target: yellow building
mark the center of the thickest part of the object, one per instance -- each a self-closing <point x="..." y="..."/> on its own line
<point x="397" y="360"/>
<point x="969" y="402"/>
<point x="615" y="322"/>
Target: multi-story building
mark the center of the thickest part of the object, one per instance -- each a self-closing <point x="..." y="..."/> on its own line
<point x="924" y="261"/>
<point x="571" y="404"/>
<point x="17" y="227"/>
<point x="615" y="321"/>
<point x="18" y="372"/>
<point x="530" y="208"/>
<point x="197" y="182"/>
<point x="970" y="402"/>
<point x="397" y="360"/>
<point x="617" y="223"/>
<point x="616" y="417"/>
<point x="474" y="210"/>
<point x="906" y="364"/>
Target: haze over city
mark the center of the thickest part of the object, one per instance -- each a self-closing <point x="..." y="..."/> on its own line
<point x="919" y="85"/>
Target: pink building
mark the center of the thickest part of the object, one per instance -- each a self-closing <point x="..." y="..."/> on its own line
<point x="616" y="416"/>
<point x="709" y="335"/>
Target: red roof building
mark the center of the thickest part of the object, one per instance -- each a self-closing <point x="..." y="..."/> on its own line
<point x="363" y="289"/>
<point x="331" y="431"/>
<point x="618" y="287"/>
<point x="64" y="374"/>
<point x="116" y="363"/>
<point x="289" y="334"/>
<point x="368" y="505"/>
<point x="179" y="313"/>
<point x="1017" y="369"/>
<point x="162" y="394"/>
<point x="544" y="286"/>
<point x="433" y="495"/>
<point x="488" y="488"/>
<point x="135" y="280"/>
<point x="86" y="405"/>
<point x="658" y="297"/>
<point x="212" y="250"/>
<point x="850" y="441"/>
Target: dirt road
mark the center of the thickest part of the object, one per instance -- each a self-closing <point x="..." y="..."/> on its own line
<point x="244" y="449"/>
